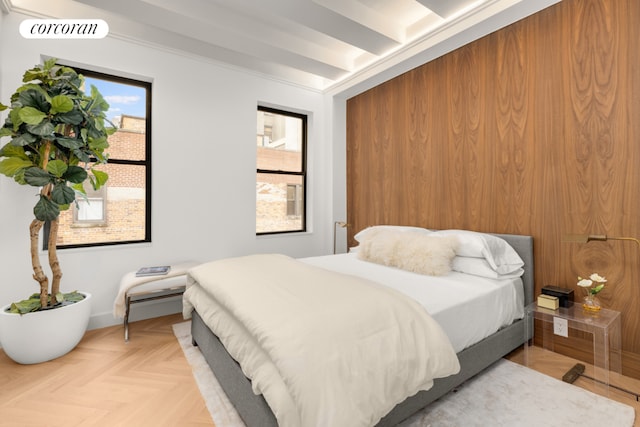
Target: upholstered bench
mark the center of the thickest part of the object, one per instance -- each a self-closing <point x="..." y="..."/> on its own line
<point x="134" y="289"/>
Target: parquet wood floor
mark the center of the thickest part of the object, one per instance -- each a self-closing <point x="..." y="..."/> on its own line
<point x="148" y="382"/>
<point x="107" y="382"/>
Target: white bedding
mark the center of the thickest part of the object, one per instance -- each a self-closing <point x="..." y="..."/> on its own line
<point x="468" y="308"/>
<point x="291" y="338"/>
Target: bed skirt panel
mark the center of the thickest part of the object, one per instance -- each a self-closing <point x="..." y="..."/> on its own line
<point x="253" y="409"/>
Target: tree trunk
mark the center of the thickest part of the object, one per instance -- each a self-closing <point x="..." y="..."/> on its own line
<point x="53" y="260"/>
<point x="38" y="273"/>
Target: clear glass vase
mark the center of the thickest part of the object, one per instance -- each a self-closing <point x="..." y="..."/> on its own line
<point x="591" y="303"/>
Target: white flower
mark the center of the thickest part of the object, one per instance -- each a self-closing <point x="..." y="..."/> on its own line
<point x="585" y="283"/>
<point x="594" y="280"/>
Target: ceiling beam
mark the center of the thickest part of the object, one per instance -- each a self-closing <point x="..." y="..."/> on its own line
<point x="446" y="8"/>
<point x="376" y="21"/>
<point x="228" y="36"/>
<point x="325" y="21"/>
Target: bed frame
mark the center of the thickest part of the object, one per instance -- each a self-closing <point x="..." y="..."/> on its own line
<point x="255" y="411"/>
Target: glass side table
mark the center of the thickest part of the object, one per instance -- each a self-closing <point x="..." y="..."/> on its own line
<point x="604" y="326"/>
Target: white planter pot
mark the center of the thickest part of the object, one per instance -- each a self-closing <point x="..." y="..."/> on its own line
<point x="44" y="335"/>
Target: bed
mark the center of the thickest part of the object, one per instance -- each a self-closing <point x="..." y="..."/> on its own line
<point x="475" y="350"/>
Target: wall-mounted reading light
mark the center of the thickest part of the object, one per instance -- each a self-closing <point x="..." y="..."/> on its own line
<point x="584" y="238"/>
<point x="337" y="224"/>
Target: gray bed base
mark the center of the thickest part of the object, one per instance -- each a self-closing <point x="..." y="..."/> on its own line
<point x="255" y="411"/>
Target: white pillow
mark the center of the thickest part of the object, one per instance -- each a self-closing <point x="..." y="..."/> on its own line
<point x="361" y="235"/>
<point x="413" y="251"/>
<point x="480" y="267"/>
<point x="499" y="254"/>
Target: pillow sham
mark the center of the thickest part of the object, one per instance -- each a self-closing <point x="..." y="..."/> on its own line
<point x="413" y="251"/>
<point x="361" y="235"/>
<point x="480" y="267"/>
<point x="499" y="254"/>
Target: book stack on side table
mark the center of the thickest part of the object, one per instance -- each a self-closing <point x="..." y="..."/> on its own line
<point x="548" y="301"/>
<point x="153" y="271"/>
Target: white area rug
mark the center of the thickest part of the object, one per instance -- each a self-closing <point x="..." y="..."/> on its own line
<point x="506" y="394"/>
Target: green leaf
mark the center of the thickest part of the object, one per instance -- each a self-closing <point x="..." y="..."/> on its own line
<point x="75" y="174"/>
<point x="79" y="188"/>
<point x="37" y="88"/>
<point x="59" y="297"/>
<point x="19" y="177"/>
<point x="57" y="168"/>
<point x="73" y="117"/>
<point x="61" y="104"/>
<point x="99" y="105"/>
<point x="49" y="63"/>
<point x="14" y="117"/>
<point x="74" y="296"/>
<point x="34" y="98"/>
<point x="11" y="150"/>
<point x="25" y="306"/>
<point x="12" y="165"/>
<point x="32" y="74"/>
<point x="62" y="194"/>
<point x="24" y="139"/>
<point x="37" y="177"/>
<point x="31" y="115"/>
<point x="3" y="107"/>
<point x="81" y="155"/>
<point x="46" y="210"/>
<point x="44" y="128"/>
<point x="32" y="304"/>
<point x="5" y="131"/>
<point x="71" y="143"/>
<point x="99" y="144"/>
<point x="101" y="178"/>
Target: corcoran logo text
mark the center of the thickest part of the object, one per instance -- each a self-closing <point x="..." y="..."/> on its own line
<point x="64" y="28"/>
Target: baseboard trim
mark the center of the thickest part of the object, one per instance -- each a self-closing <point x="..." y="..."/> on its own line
<point x="140" y="311"/>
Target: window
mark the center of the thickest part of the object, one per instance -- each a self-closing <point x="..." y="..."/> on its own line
<point x="281" y="171"/>
<point x="90" y="211"/>
<point x="119" y="212"/>
<point x="294" y="200"/>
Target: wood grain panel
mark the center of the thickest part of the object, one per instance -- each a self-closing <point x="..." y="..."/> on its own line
<point x="467" y="149"/>
<point x="546" y="44"/>
<point x="513" y="153"/>
<point x="534" y="129"/>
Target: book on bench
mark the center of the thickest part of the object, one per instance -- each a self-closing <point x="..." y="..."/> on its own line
<point x="153" y="271"/>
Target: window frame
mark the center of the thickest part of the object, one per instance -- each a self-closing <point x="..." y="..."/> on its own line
<point x="294" y="203"/>
<point x="302" y="173"/>
<point x="147" y="86"/>
<point x="92" y="196"/>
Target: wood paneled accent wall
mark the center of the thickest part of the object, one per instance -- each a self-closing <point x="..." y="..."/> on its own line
<point x="534" y="129"/>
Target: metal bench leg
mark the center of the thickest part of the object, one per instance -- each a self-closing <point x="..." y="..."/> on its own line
<point x="126" y="319"/>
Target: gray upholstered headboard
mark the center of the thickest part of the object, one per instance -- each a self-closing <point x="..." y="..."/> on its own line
<point x="523" y="245"/>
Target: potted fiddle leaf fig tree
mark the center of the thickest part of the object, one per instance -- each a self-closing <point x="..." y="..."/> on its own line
<point x="58" y="134"/>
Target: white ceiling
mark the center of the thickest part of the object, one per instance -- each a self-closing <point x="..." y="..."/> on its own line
<point x="319" y="44"/>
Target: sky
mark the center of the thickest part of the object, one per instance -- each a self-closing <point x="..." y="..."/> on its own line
<point x="122" y="98"/>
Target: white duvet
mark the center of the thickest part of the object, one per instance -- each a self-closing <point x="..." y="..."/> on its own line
<point x="324" y="348"/>
<point x="468" y="308"/>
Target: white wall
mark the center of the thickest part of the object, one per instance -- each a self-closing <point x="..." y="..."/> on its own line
<point x="203" y="203"/>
